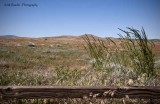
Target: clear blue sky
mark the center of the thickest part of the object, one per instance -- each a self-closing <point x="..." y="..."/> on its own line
<point x="77" y="17"/>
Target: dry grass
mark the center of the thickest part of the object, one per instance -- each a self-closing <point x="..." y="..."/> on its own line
<point x="56" y="61"/>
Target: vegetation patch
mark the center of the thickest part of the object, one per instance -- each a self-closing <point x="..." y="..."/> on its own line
<point x="92" y="61"/>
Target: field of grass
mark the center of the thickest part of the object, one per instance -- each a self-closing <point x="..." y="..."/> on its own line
<point x="71" y="61"/>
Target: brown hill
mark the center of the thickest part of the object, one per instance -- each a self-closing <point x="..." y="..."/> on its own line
<point x="68" y="40"/>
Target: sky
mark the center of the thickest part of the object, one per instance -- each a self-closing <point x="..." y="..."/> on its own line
<point x="102" y="18"/>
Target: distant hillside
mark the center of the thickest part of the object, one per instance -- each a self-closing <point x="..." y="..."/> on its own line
<point x="155" y="40"/>
<point x="8" y="36"/>
<point x="90" y="36"/>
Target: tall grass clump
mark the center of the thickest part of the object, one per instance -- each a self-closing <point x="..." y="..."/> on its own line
<point x="131" y="57"/>
<point x="139" y="50"/>
<point x="97" y="50"/>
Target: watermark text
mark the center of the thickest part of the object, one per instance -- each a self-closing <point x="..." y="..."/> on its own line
<point x="20" y="5"/>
